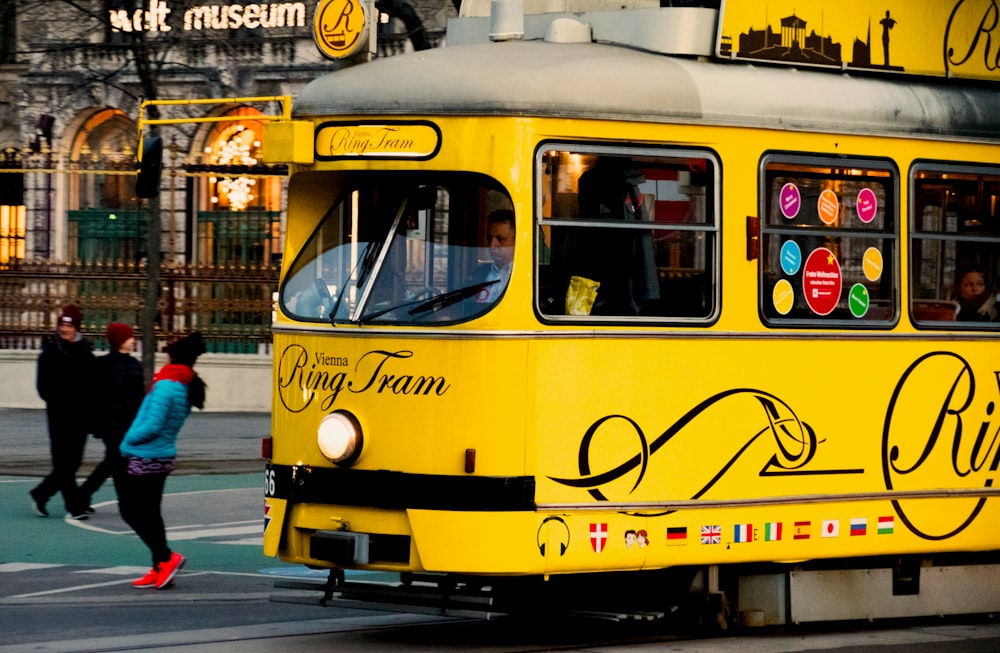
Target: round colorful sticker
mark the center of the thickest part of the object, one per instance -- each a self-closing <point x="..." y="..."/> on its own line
<point x="791" y="257"/>
<point x="790" y="200"/>
<point x="783" y="296"/>
<point x="821" y="281"/>
<point x="858" y="300"/>
<point x="828" y="206"/>
<point x="867" y="205"/>
<point x="872" y="264"/>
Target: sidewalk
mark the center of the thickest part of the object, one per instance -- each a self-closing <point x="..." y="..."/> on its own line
<point x="209" y="443"/>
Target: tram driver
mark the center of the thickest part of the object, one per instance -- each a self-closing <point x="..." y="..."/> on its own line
<point x="500" y="231"/>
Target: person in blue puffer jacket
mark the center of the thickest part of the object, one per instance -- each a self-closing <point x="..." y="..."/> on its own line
<point x="149" y="450"/>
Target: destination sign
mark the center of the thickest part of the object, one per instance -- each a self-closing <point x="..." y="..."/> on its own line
<point x="416" y="140"/>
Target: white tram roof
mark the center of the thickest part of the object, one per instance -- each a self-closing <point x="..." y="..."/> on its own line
<point x="565" y="71"/>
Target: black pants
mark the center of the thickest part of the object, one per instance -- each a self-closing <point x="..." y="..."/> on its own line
<point x="139" y="500"/>
<point x="104" y="470"/>
<point x="67" y="439"/>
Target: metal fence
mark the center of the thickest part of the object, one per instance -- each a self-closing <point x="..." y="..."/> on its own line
<point x="231" y="305"/>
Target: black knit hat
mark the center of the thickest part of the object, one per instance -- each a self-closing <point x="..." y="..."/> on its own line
<point x="186" y="350"/>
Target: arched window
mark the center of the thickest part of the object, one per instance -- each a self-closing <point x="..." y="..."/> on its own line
<point x="104" y="221"/>
<point x="240" y="213"/>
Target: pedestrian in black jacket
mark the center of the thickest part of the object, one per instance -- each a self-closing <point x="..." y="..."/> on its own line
<point x="64" y="382"/>
<point x="119" y="388"/>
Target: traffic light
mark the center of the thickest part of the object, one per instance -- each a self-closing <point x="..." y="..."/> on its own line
<point x="147" y="184"/>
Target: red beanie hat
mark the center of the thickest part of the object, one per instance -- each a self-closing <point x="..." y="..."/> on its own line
<point x="118" y="333"/>
<point x="71" y="314"/>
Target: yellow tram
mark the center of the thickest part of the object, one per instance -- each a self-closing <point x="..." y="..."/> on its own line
<point x="591" y="309"/>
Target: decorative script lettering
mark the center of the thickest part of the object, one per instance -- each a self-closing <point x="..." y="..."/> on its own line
<point x="350" y="140"/>
<point x="960" y="47"/>
<point x="304" y="377"/>
<point x="968" y="440"/>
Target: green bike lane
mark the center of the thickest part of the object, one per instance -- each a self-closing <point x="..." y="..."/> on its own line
<point x="215" y="521"/>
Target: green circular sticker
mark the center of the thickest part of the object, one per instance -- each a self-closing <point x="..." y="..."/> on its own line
<point x="858" y="300"/>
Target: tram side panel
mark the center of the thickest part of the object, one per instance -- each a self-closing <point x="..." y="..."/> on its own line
<point x="703" y="452"/>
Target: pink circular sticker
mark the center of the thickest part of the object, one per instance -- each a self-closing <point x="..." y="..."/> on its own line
<point x="821" y="281"/>
<point x="867" y="205"/>
<point x="790" y="200"/>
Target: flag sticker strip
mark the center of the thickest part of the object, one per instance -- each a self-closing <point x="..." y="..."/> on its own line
<point x="772" y="531"/>
<point x="802" y="529"/>
<point x="711" y="534"/>
<point x="742" y="533"/>
<point x="859" y="526"/>
<point x="885" y="525"/>
<point x="677" y="535"/>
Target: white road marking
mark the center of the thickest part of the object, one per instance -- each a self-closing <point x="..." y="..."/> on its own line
<point x="120" y="570"/>
<point x="25" y="566"/>
<point x="180" y="533"/>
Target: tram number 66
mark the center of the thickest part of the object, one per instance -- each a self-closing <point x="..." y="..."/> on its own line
<point x="269" y="482"/>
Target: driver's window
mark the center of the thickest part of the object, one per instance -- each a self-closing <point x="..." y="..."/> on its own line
<point x="405" y="249"/>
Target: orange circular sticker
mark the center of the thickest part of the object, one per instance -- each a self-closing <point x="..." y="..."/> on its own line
<point x="828" y="206"/>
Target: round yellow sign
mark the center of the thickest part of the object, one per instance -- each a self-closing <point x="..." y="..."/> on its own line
<point x="783" y="296"/>
<point x="872" y="264"/>
<point x="340" y="27"/>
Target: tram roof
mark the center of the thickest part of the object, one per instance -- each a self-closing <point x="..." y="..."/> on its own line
<point x="602" y="81"/>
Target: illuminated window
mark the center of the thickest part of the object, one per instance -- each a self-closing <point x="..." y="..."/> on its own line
<point x="12" y="226"/>
<point x="829" y="242"/>
<point x="240" y="214"/>
<point x="627" y="235"/>
<point x="955" y="260"/>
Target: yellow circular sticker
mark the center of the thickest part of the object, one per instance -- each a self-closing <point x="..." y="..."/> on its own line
<point x="783" y="296"/>
<point x="340" y="27"/>
<point x="872" y="264"/>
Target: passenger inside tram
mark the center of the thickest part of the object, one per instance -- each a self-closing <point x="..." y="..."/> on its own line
<point x="976" y="300"/>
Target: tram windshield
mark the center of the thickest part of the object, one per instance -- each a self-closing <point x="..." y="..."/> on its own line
<point x="404" y="248"/>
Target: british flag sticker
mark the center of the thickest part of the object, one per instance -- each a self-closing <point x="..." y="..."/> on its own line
<point x="711" y="534"/>
<point x="598" y="536"/>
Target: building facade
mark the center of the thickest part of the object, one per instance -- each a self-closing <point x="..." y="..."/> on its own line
<point x="73" y="76"/>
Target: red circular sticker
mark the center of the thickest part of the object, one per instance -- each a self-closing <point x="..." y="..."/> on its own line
<point x="821" y="281"/>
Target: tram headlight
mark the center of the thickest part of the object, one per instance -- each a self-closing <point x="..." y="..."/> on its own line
<point x="339" y="437"/>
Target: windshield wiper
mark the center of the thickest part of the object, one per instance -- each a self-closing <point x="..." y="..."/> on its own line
<point x="451" y="297"/>
<point x="433" y="304"/>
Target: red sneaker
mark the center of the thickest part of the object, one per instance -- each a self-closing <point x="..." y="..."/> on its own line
<point x="149" y="580"/>
<point x="169" y="569"/>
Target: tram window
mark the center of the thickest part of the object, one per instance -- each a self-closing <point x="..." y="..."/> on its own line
<point x="829" y="242"/>
<point x="396" y="248"/>
<point x="626" y="235"/>
<point x="955" y="237"/>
